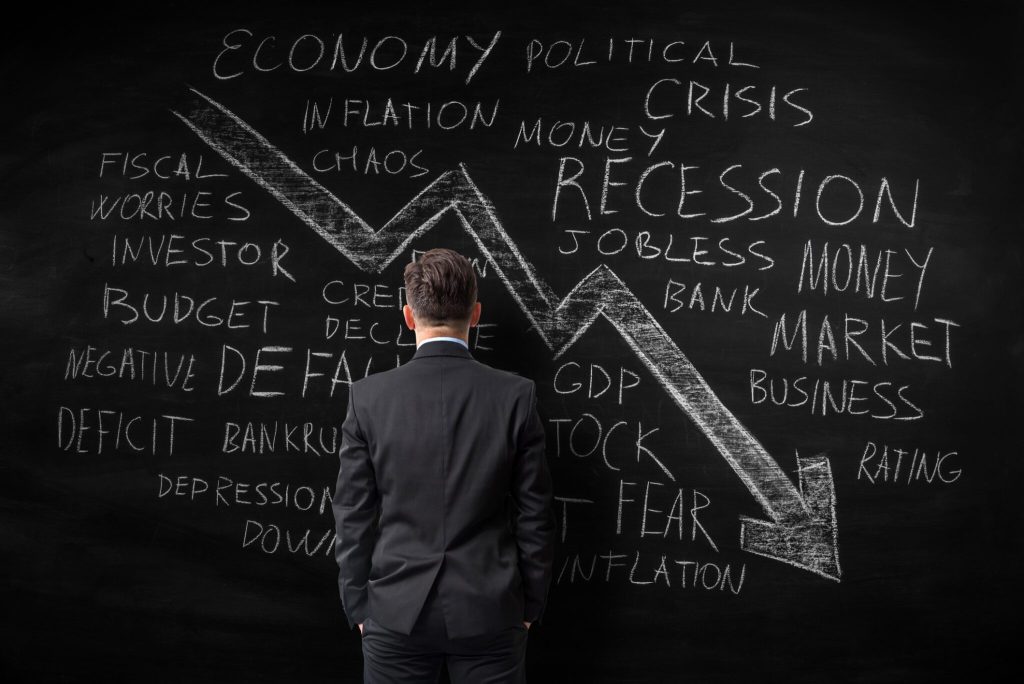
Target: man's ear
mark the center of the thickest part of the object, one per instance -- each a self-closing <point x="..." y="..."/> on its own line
<point x="410" y="322"/>
<point x="474" y="317"/>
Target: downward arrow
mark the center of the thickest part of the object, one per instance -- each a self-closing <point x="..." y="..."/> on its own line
<point x="806" y="537"/>
<point x="802" y="526"/>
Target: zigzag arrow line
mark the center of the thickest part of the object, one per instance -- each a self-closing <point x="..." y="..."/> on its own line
<point x="802" y="526"/>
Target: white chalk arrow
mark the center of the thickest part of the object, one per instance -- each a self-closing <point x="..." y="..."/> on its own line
<point x="802" y="526"/>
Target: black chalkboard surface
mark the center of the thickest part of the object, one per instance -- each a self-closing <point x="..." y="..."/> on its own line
<point x="764" y="264"/>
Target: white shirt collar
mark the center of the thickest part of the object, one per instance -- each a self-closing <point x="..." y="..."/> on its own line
<point x="450" y="339"/>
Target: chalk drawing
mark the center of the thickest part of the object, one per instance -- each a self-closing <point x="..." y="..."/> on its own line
<point x="801" y="529"/>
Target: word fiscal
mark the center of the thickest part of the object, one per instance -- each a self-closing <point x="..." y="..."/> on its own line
<point x="134" y="166"/>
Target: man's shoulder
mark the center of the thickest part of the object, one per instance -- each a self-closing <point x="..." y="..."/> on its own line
<point x="503" y="377"/>
<point x="393" y="377"/>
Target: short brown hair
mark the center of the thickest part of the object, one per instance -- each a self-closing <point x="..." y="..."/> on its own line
<point x="441" y="287"/>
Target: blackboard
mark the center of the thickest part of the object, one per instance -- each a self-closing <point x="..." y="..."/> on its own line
<point x="763" y="262"/>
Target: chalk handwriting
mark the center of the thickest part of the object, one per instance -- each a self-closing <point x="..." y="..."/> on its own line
<point x="802" y="526"/>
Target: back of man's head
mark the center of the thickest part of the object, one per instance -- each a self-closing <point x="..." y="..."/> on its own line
<point x="441" y="288"/>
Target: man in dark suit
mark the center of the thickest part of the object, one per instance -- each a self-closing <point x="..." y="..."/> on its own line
<point x="443" y="507"/>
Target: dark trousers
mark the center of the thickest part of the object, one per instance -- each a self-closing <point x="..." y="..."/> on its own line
<point x="393" y="657"/>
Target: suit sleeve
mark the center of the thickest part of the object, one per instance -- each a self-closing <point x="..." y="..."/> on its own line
<point x="355" y="505"/>
<point x="533" y="495"/>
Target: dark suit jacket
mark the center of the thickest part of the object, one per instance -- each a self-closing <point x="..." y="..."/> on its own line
<point x="444" y="475"/>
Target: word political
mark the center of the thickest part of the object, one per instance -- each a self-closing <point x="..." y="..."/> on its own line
<point x="561" y="53"/>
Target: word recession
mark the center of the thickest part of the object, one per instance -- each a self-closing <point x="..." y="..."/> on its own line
<point x="747" y="191"/>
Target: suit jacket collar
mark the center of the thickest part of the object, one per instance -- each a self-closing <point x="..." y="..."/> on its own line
<point x="441" y="348"/>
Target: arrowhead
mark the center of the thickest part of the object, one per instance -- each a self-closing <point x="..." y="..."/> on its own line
<point x="807" y="537"/>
